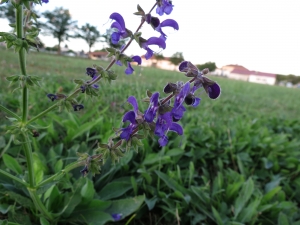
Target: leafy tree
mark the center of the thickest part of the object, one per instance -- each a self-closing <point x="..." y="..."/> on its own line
<point x="177" y="58"/>
<point x="7" y="11"/>
<point x="210" y="65"/>
<point x="59" y="24"/>
<point x="90" y="34"/>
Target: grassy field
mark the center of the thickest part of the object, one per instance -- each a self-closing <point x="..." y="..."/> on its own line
<point x="237" y="163"/>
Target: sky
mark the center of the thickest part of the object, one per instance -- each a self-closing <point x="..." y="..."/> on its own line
<point x="261" y="35"/>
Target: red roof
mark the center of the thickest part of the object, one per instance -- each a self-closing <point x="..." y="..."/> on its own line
<point x="262" y="74"/>
<point x="242" y="71"/>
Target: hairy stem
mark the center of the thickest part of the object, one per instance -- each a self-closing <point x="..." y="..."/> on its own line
<point x="29" y="159"/>
<point x="4" y="109"/>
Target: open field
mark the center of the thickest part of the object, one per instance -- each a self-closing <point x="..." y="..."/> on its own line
<point x="237" y="163"/>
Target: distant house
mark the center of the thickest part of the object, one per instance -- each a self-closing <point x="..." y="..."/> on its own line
<point x="164" y="63"/>
<point x="238" y="72"/>
<point x="98" y="55"/>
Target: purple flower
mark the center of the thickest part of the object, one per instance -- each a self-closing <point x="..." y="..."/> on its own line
<point x="116" y="216"/>
<point x="152" y="41"/>
<point x="211" y="87"/>
<point x="164" y="6"/>
<point x="164" y="124"/>
<point x="166" y="23"/>
<point x="153" y="21"/>
<point x="150" y="113"/>
<point x="78" y="107"/>
<point x="91" y="72"/>
<point x="119" y="24"/>
<point x="129" y="70"/>
<point x="52" y="97"/>
<point x="84" y="171"/>
<point x="45" y="1"/>
<point x="178" y="109"/>
<point x="131" y="117"/>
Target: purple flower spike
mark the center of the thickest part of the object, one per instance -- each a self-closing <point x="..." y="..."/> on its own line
<point x="213" y="91"/>
<point x="150" y="113"/>
<point x="116" y="216"/>
<point x="129" y="70"/>
<point x="120" y="26"/>
<point x="164" y="6"/>
<point x="166" y="23"/>
<point x="153" y="41"/>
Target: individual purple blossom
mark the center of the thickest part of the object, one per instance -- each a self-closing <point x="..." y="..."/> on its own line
<point x="150" y="113"/>
<point x="45" y="1"/>
<point x="91" y="72"/>
<point x="95" y="86"/>
<point x="131" y="117"/>
<point x="164" y="124"/>
<point x="166" y="23"/>
<point x="153" y="21"/>
<point x="178" y="109"/>
<point x="116" y="216"/>
<point x="129" y="70"/>
<point x="211" y="87"/>
<point x="152" y="41"/>
<point x="164" y="6"/>
<point x="78" y="107"/>
<point x="52" y="97"/>
<point x="119" y="24"/>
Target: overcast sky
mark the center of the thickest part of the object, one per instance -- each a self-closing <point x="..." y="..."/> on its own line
<point x="262" y="35"/>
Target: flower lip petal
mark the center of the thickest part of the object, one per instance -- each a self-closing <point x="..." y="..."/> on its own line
<point x="196" y="102"/>
<point x="137" y="59"/>
<point x="156" y="41"/>
<point x="163" y="141"/>
<point x="176" y="128"/>
<point x="214" y="91"/>
<point x="129" y="116"/>
<point x="117" y="17"/>
<point x="129" y="70"/>
<point x="183" y="67"/>
<point x="116" y="25"/>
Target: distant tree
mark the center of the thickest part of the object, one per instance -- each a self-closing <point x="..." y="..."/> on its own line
<point x="288" y="78"/>
<point x="90" y="34"/>
<point x="159" y="56"/>
<point x="59" y="24"/>
<point x="177" y="58"/>
<point x="210" y="65"/>
<point x="107" y="39"/>
<point x="7" y="11"/>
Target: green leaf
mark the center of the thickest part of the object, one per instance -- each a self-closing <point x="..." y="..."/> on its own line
<point x="217" y="216"/>
<point x="43" y="221"/>
<point x="114" y="189"/>
<point x="170" y="182"/>
<point x="4" y="208"/>
<point x="12" y="164"/>
<point x="244" y="196"/>
<point x="58" y="166"/>
<point x="283" y="219"/>
<point x="126" y="206"/>
<point x="87" y="191"/>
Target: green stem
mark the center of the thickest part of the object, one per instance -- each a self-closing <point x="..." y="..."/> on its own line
<point x="42" y="113"/>
<point x="4" y="109"/>
<point x="13" y="177"/>
<point x="29" y="159"/>
<point x="22" y="59"/>
<point x="39" y="205"/>
<point x="62" y="173"/>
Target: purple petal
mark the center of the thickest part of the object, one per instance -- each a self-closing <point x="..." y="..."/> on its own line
<point x="133" y="102"/>
<point x="183" y="67"/>
<point x="129" y="70"/>
<point x="137" y="59"/>
<point x="169" y="23"/>
<point x="119" y="63"/>
<point x="163" y="123"/>
<point x="196" y="102"/>
<point x="214" y="91"/>
<point x="150" y="113"/>
<point x="178" y="113"/>
<point x="148" y="54"/>
<point x="176" y="128"/>
<point x="129" y="116"/>
<point x="115" y="38"/>
<point x="126" y="132"/>
<point x="117" y="17"/>
<point x="168" y="9"/>
<point x="116" y="216"/>
<point x="156" y="41"/>
<point x="163" y="141"/>
<point x="116" y="25"/>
